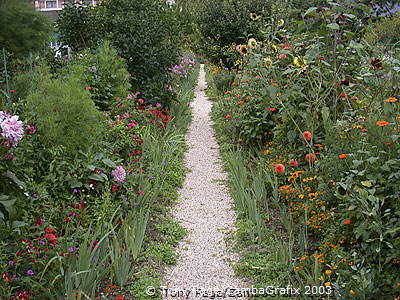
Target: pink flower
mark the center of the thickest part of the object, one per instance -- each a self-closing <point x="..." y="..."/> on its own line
<point x="293" y="163"/>
<point x="307" y="135"/>
<point x="130" y="125"/>
<point x="119" y="174"/>
<point x="31" y="129"/>
<point x="12" y="91"/>
<point x="141" y="101"/>
<point x="279" y="168"/>
<point x="12" y="129"/>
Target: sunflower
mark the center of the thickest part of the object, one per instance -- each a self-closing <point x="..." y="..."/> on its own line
<point x="268" y="62"/>
<point x="242" y="49"/>
<point x="254" y="17"/>
<point x="252" y="43"/>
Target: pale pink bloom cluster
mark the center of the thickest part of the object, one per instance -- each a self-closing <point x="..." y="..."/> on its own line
<point x="119" y="174"/>
<point x="11" y="128"/>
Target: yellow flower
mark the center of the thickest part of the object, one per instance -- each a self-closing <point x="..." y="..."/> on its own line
<point x="328" y="283"/>
<point x="296" y="62"/>
<point x="252" y="43"/>
<point x="352" y="292"/>
<point x="275" y="48"/>
<point x="268" y="62"/>
<point x="281" y="22"/>
<point x="328" y="272"/>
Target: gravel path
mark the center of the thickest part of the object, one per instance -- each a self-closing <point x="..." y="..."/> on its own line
<point x="206" y="210"/>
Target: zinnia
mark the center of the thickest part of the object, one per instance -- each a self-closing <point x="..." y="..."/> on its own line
<point x="119" y="174"/>
<point x="382" y="123"/>
<point x="279" y="168"/>
<point x="307" y="135"/>
<point x="293" y="163"/>
<point x="390" y="100"/>
<point x="51" y="238"/>
<point x="310" y="157"/>
<point x="347" y="222"/>
<point x="342" y="156"/>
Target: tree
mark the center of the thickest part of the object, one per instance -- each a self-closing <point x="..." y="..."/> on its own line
<point x="23" y="29"/>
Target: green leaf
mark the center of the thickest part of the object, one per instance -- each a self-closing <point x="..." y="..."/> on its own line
<point x="333" y="26"/>
<point x="356" y="45"/>
<point x="310" y="10"/>
<point x="109" y="163"/>
<point x="97" y="177"/>
<point x="8" y="203"/>
<point x="366" y="183"/>
<point x="14" y="178"/>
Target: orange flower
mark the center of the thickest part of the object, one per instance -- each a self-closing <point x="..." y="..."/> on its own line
<point x="342" y="156"/>
<point x="293" y="163"/>
<point x="364" y="130"/>
<point x="352" y="292"/>
<point x="319" y="146"/>
<point x="228" y="92"/>
<point x="343" y="95"/>
<point x="227" y="117"/>
<point x="240" y="102"/>
<point x="382" y="123"/>
<point x="246" y="80"/>
<point x="234" y="83"/>
<point x="307" y="135"/>
<point x="248" y="98"/>
<point x="347" y="222"/>
<point x="272" y="109"/>
<point x="279" y="168"/>
<point x="390" y="100"/>
<point x="310" y="157"/>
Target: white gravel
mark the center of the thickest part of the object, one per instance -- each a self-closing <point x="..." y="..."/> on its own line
<point x="205" y="209"/>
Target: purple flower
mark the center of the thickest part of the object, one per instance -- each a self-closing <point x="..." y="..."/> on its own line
<point x="72" y="249"/>
<point x="30" y="272"/>
<point x="75" y="190"/>
<point x="119" y="174"/>
<point x="12" y="129"/>
<point x="10" y="263"/>
<point x="34" y="195"/>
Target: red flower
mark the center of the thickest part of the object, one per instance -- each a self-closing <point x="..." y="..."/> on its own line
<point x="227" y="117"/>
<point x="114" y="187"/>
<point x="342" y="156"/>
<point x="307" y="135"/>
<point x="248" y="98"/>
<point x="120" y="297"/>
<point x="51" y="238"/>
<point x="347" y="222"/>
<point x="240" y="102"/>
<point x="12" y="91"/>
<point x="89" y="88"/>
<point x="310" y="157"/>
<point x="279" y="168"/>
<point x="48" y="230"/>
<point x="282" y="56"/>
<point x="293" y="163"/>
<point x="272" y="109"/>
<point x="141" y="101"/>
<point x="343" y="95"/>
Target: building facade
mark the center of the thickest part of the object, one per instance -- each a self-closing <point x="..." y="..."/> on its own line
<point x="52" y="7"/>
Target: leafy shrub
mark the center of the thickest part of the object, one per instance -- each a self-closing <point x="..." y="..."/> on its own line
<point x="223" y="23"/>
<point x="385" y="31"/>
<point x="65" y="114"/>
<point x="223" y="80"/>
<point x="79" y="26"/>
<point x="105" y="75"/>
<point x="23" y="28"/>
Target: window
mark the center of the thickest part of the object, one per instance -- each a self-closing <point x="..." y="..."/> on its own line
<point x="51" y="4"/>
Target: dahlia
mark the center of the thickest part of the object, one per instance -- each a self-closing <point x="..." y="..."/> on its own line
<point x="119" y="174"/>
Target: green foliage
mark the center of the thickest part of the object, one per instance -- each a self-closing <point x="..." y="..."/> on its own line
<point x="79" y="26"/>
<point x="65" y="114"/>
<point x="144" y="34"/>
<point x="105" y="75"/>
<point x="223" y="23"/>
<point x="385" y="31"/>
<point x="23" y="29"/>
<point x="223" y="80"/>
